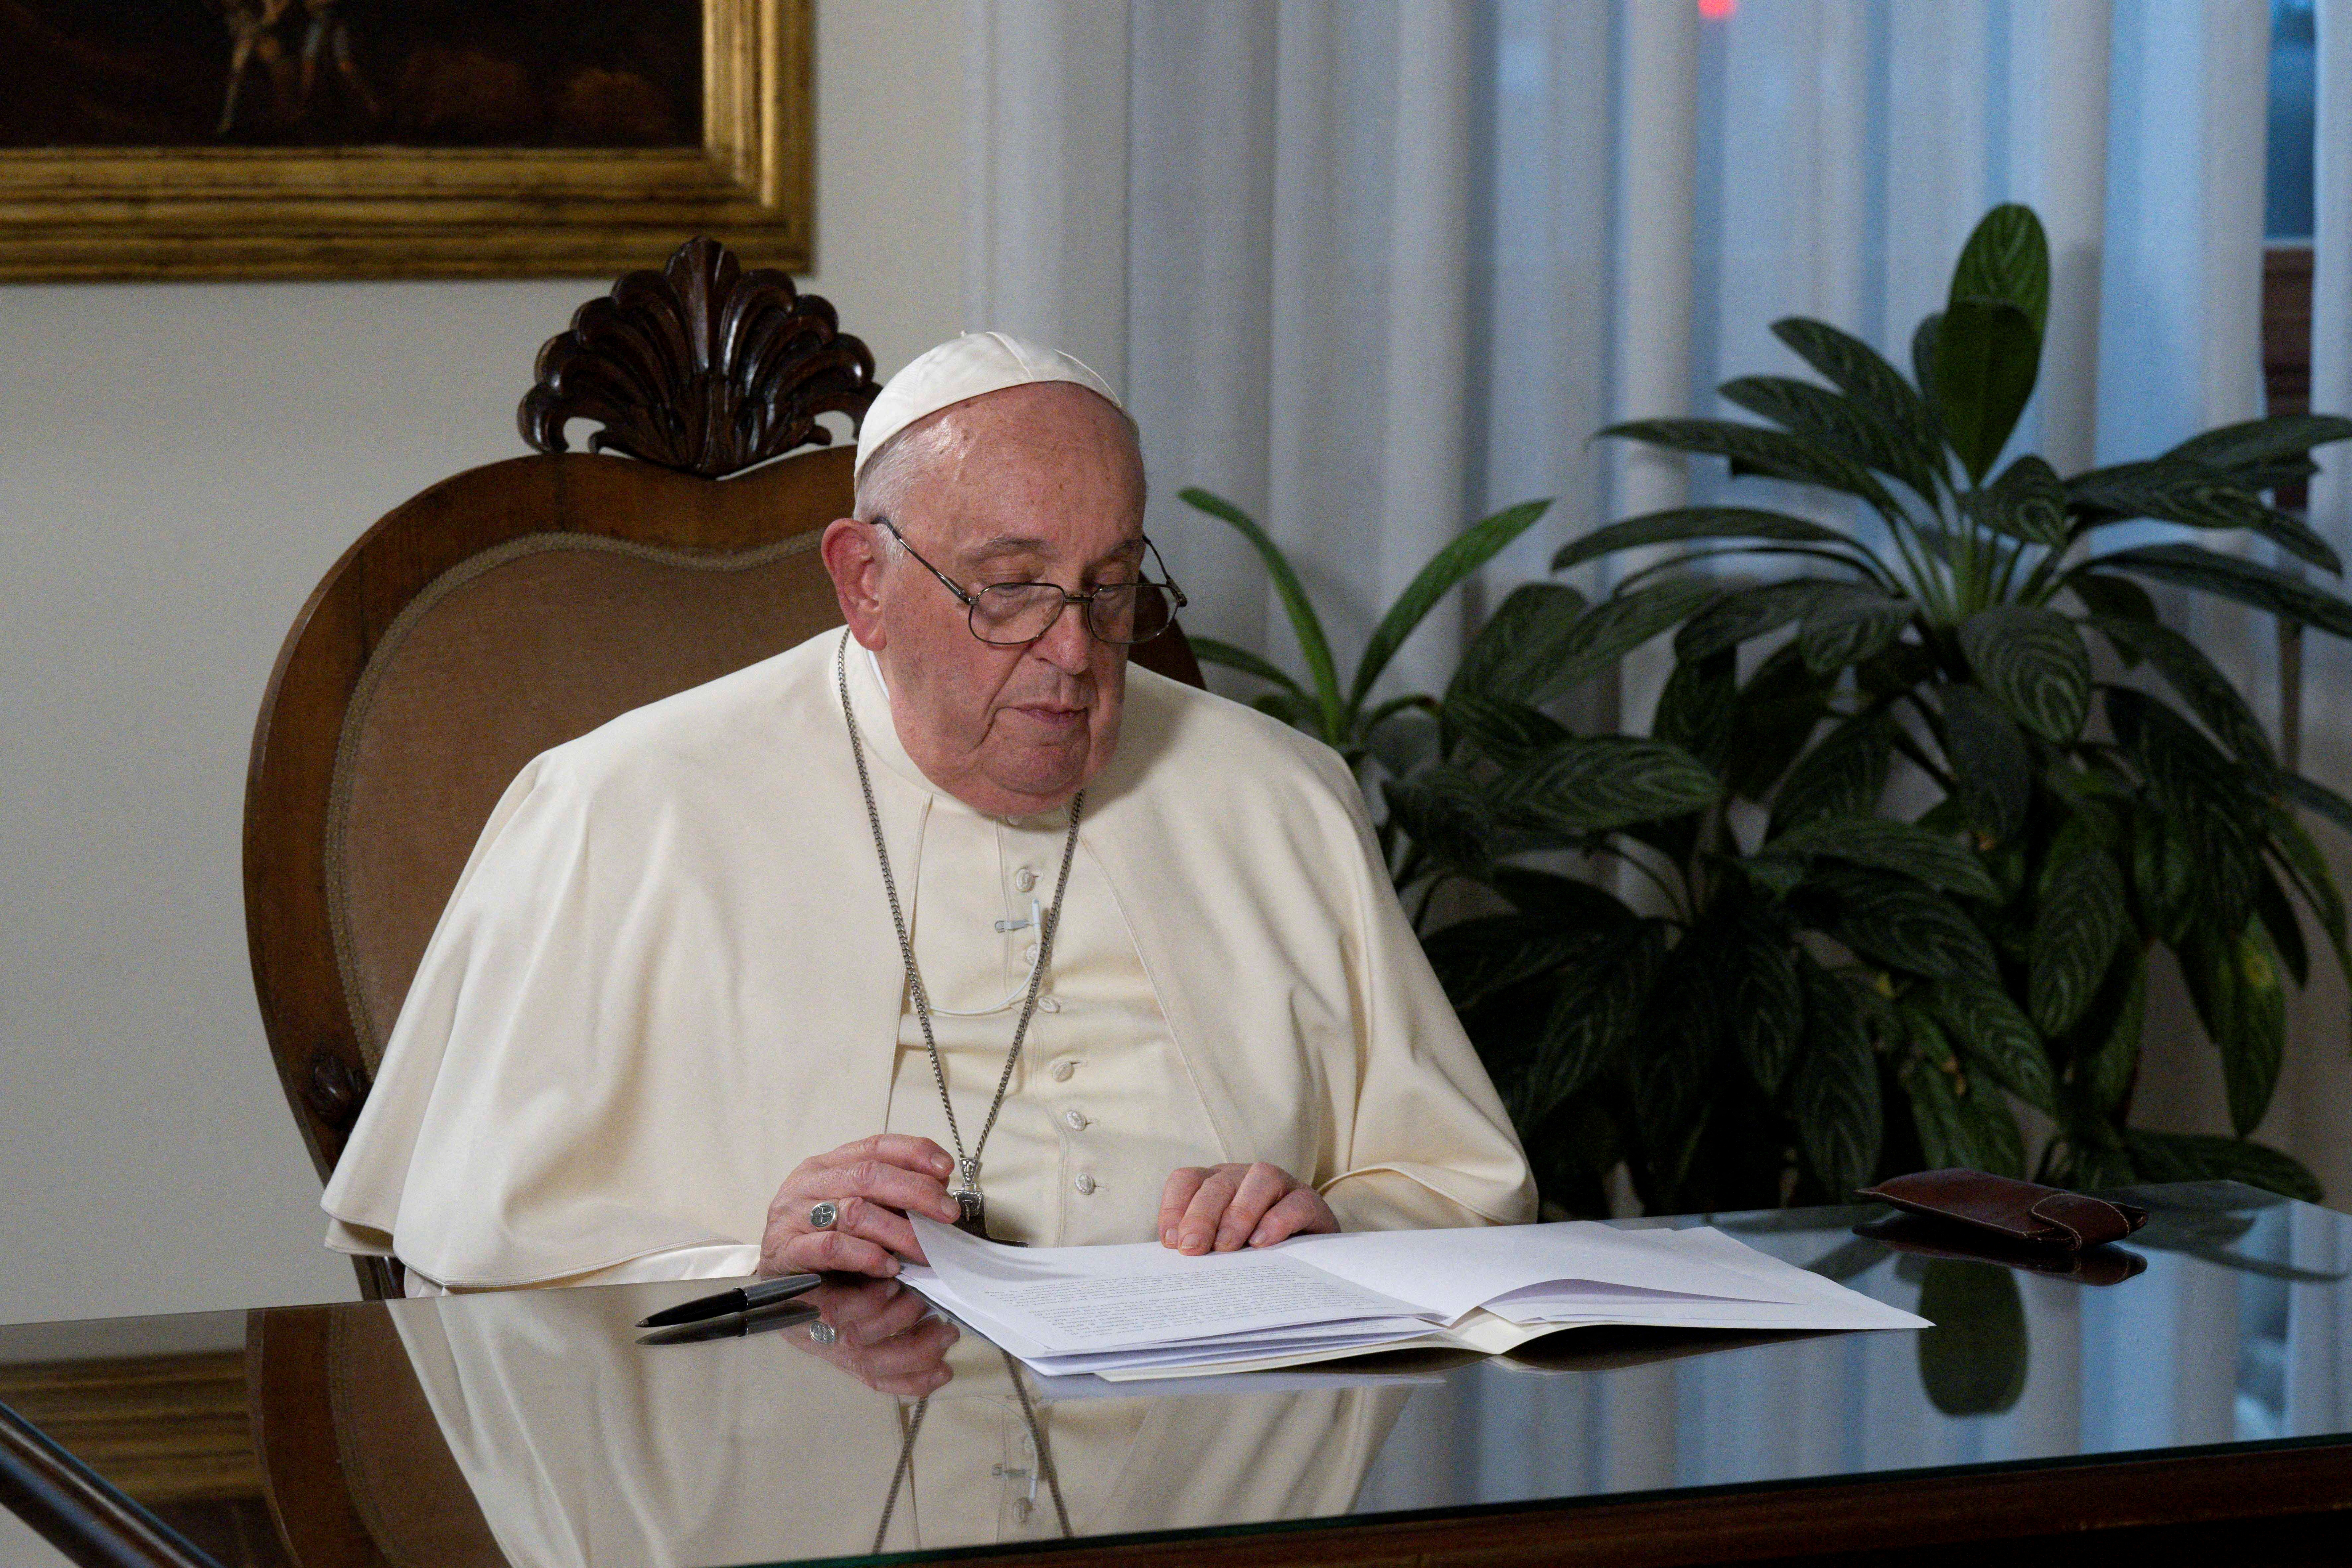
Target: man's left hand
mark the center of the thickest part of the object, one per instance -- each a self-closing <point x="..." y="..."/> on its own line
<point x="1231" y="1206"/>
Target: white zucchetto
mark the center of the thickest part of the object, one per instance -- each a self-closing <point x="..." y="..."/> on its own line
<point x="959" y="370"/>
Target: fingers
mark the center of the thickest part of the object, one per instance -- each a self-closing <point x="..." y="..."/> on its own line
<point x="834" y="1252"/>
<point x="913" y="1363"/>
<point x="1301" y="1212"/>
<point x="1263" y="1185"/>
<point x="1175" y="1197"/>
<point x="879" y="1182"/>
<point x="899" y="1149"/>
<point x="1197" y="1231"/>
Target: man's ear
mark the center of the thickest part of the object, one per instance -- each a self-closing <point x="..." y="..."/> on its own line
<point x="855" y="563"/>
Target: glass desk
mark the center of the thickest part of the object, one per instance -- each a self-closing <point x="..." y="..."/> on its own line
<point x="2206" y="1397"/>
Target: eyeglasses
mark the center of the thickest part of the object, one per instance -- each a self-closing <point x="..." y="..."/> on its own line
<point x="1013" y="614"/>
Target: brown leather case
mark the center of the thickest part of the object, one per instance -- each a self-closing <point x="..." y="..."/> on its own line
<point x="2021" y="1213"/>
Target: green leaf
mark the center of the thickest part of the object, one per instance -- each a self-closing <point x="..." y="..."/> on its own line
<point x="1973" y="1361"/>
<point x="1900" y="847"/>
<point x="2200" y="682"/>
<point x="1845" y="774"/>
<point x="2163" y="873"/>
<point x="1739" y="614"/>
<point x="2284" y="927"/>
<point x="1994" y="1036"/>
<point x="1681" y="525"/>
<point x="1209" y="650"/>
<point x="1778" y="712"/>
<point x="1923" y="341"/>
<point x="1833" y="1091"/>
<point x="2201" y="1157"/>
<point x="2313" y="796"/>
<point x="1534" y="615"/>
<point x="1987" y="355"/>
<point x="1606" y="632"/>
<point x="1476" y="959"/>
<point x="1763" y="997"/>
<point x="1992" y="766"/>
<point x="2113" y="598"/>
<point x="1477" y="545"/>
<point x="2264" y="442"/>
<point x="1856" y="369"/>
<point x="1895" y="921"/>
<point x="2234" y="982"/>
<point x="1507" y="733"/>
<point x="2106" y="1071"/>
<point x="2246" y="582"/>
<point x="2296" y="852"/>
<point x="1752" y="449"/>
<point x="1834" y="423"/>
<point x="1304" y="621"/>
<point x="1594" y="1014"/>
<point x="1592" y="784"/>
<point x="1567" y="901"/>
<point x="1695" y="709"/>
<point x="2078" y="923"/>
<point x="2032" y="662"/>
<point x="1959" y="1125"/>
<point x="2205" y="796"/>
<point x="2007" y="257"/>
<point x="2168" y="491"/>
<point x="1445" y="813"/>
<point x="2028" y="502"/>
<point x="1847" y="624"/>
<point x="1674" y="1055"/>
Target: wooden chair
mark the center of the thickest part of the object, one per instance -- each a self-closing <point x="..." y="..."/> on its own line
<point x="514" y="607"/>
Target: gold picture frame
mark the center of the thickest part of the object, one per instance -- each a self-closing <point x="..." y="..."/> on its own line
<point x="92" y="214"/>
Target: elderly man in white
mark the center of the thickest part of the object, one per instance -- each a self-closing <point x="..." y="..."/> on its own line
<point x="952" y="912"/>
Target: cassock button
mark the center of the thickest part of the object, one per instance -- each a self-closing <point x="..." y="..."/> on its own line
<point x="1086" y="1185"/>
<point x="1073" y="1122"/>
<point x="1024" y="878"/>
<point x="1029" y="953"/>
<point x="1063" y="1069"/>
<point x="1048" y="1005"/>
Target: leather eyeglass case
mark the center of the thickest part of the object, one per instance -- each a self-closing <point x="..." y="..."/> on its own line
<point x="2022" y="1214"/>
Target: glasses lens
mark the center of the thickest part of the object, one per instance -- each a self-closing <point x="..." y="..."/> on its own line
<point x="1137" y="612"/>
<point x="1015" y="612"/>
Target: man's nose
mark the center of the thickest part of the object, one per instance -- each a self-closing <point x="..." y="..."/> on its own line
<point x="1069" y="643"/>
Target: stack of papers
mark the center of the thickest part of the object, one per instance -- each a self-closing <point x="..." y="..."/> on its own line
<point x="1127" y="1312"/>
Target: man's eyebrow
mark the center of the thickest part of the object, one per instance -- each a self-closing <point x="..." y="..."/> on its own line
<point x="1007" y="546"/>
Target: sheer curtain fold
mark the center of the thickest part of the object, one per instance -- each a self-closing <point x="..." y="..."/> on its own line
<point x="1374" y="267"/>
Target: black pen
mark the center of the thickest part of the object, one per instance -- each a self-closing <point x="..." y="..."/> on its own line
<point x="742" y="1298"/>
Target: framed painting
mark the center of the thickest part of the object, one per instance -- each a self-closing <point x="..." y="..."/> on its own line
<point x="154" y="139"/>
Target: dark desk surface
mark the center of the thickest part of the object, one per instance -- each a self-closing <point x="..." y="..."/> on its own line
<point x="2211" y="1391"/>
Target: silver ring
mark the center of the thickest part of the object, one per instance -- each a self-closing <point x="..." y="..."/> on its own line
<point x="822" y="1216"/>
<point x="824" y="1333"/>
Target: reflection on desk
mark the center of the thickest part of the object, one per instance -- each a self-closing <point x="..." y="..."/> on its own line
<point x="535" y="1429"/>
<point x="581" y="1446"/>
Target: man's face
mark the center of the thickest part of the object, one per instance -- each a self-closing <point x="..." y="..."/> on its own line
<point x="1032" y="484"/>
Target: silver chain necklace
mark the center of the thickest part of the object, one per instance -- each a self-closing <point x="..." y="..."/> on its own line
<point x="967" y="1193"/>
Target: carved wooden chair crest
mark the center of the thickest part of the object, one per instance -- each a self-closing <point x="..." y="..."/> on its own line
<point x="514" y="607"/>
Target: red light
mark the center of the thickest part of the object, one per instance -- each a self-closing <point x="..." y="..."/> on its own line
<point x="1717" y="10"/>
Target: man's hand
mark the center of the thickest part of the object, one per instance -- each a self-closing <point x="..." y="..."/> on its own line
<point x="876" y="1182"/>
<point x="1229" y="1206"/>
<point x="879" y="1332"/>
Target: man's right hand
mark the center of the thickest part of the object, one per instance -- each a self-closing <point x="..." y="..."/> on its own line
<point x="875" y="1184"/>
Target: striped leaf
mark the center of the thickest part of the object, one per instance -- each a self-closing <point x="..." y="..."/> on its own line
<point x="1906" y="847"/>
<point x="1753" y="449"/>
<point x="1995" y="1037"/>
<point x="1847" y="624"/>
<point x="2007" y="257"/>
<point x="1682" y="525"/>
<point x="1992" y="765"/>
<point x="2079" y="921"/>
<point x="1896" y="923"/>
<point x="2246" y="583"/>
<point x="1856" y="369"/>
<point x="1592" y="784"/>
<point x="1833" y="1091"/>
<point x="2032" y="662"/>
<point x="1844" y="775"/>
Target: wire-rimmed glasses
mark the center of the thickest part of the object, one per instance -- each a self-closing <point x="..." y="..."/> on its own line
<point x="1011" y="615"/>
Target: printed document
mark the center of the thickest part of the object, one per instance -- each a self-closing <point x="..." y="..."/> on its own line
<point x="1145" y="1310"/>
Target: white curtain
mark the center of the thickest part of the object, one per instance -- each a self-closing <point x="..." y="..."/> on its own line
<point x="1371" y="269"/>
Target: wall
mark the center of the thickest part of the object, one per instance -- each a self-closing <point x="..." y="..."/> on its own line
<point x="179" y="464"/>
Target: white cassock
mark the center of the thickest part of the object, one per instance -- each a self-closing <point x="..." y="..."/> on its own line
<point x="668" y="975"/>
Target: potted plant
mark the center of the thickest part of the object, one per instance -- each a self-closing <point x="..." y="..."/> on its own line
<point x="1818" y="990"/>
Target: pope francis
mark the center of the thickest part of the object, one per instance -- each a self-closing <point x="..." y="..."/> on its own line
<point x="952" y="912"/>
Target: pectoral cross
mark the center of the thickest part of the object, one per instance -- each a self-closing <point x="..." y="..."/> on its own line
<point x="974" y="1218"/>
